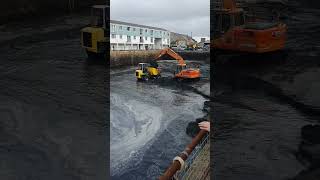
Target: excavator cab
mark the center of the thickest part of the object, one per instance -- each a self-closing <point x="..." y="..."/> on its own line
<point x="226" y="16"/>
<point x="225" y="20"/>
<point x="180" y="67"/>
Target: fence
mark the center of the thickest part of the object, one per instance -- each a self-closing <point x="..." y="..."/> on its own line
<point x="181" y="165"/>
<point x="198" y="151"/>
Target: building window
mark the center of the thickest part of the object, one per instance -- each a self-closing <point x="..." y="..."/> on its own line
<point x="146" y="30"/>
<point x="120" y="36"/>
<point x="113" y="36"/>
<point x="128" y="38"/>
<point x="134" y="29"/>
<point x="113" y="28"/>
<point x="152" y="40"/>
<point x="141" y="30"/>
<point x="128" y="28"/>
<point x="120" y="27"/>
<point x="146" y="38"/>
<point x="151" y="32"/>
<point x="134" y="37"/>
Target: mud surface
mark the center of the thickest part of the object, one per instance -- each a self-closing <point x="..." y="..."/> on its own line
<point x="260" y="107"/>
<point x="53" y="104"/>
<point x="149" y="120"/>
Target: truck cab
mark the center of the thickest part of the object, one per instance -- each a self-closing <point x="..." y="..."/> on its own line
<point x="145" y="72"/>
<point x="95" y="37"/>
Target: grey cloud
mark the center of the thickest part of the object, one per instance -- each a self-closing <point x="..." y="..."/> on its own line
<point x="181" y="16"/>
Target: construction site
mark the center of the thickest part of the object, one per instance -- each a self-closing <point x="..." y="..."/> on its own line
<point x="157" y="99"/>
<point x="265" y="98"/>
<point x="55" y="103"/>
<point x="156" y="106"/>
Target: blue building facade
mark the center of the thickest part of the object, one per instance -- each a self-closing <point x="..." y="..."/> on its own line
<point x="129" y="36"/>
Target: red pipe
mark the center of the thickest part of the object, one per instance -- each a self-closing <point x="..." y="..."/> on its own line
<point x="175" y="166"/>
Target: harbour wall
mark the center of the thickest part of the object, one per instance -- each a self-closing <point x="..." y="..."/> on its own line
<point x="132" y="58"/>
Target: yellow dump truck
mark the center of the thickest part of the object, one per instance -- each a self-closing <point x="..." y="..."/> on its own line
<point x="145" y="72"/>
<point x="95" y="37"/>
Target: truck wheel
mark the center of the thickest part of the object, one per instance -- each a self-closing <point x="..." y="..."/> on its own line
<point x="91" y="55"/>
<point x="144" y="78"/>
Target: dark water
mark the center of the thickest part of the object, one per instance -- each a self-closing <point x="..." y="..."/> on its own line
<point x="257" y="133"/>
<point x="256" y="137"/>
<point x="52" y="103"/>
<point x="149" y="120"/>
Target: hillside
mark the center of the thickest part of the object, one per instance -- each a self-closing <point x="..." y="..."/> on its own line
<point x="176" y="36"/>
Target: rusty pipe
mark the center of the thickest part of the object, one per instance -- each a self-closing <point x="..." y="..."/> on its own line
<point x="176" y="166"/>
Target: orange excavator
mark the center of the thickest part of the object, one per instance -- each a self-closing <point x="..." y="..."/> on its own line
<point x="182" y="71"/>
<point x="233" y="32"/>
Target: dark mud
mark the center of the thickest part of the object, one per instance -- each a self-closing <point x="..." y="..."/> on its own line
<point x="150" y="120"/>
<point x="259" y="108"/>
<point x="53" y="104"/>
<point x="20" y="10"/>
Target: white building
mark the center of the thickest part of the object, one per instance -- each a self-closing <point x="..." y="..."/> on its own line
<point x="129" y="36"/>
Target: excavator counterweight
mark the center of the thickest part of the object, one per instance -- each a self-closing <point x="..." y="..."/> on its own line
<point x="232" y="31"/>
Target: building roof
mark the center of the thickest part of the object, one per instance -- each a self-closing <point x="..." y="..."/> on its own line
<point x="138" y="25"/>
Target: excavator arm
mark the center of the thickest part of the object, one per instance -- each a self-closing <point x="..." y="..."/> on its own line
<point x="172" y="54"/>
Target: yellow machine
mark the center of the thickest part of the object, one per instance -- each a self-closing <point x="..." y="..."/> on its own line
<point x="145" y="72"/>
<point x="95" y="38"/>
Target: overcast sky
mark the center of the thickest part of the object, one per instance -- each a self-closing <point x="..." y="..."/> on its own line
<point x="181" y="16"/>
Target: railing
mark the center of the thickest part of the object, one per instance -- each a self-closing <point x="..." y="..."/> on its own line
<point x="184" y="173"/>
<point x="181" y="164"/>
